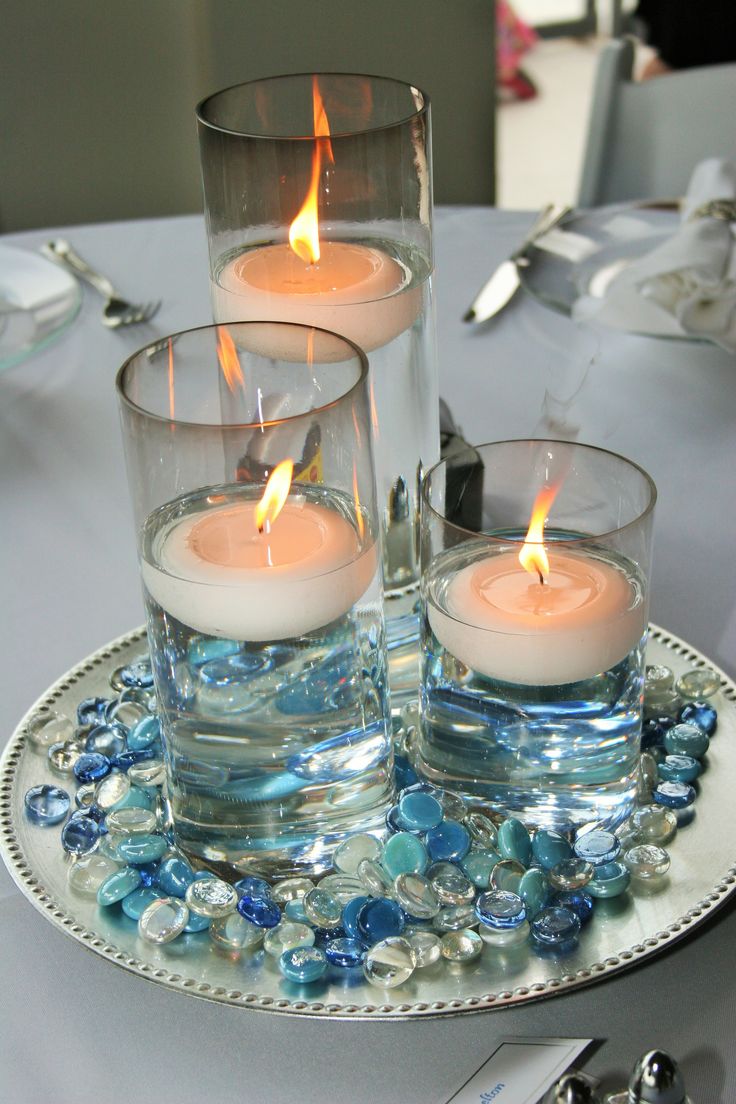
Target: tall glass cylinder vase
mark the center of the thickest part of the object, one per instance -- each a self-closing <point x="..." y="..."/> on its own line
<point x="253" y="490"/>
<point x="318" y="201"/>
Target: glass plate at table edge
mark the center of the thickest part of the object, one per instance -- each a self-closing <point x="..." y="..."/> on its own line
<point x="557" y="281"/>
<point x="702" y="878"/>
<point x="41" y="322"/>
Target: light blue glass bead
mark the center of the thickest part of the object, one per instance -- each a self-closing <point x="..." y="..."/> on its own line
<point x="252" y="886"/>
<point x="144" y="734"/>
<point x="137" y="849"/>
<point x="550" y="848"/>
<point x="701" y="714"/>
<point x="674" y="795"/>
<point x="419" y="811"/>
<point x="174" y="876"/>
<point x="597" y="847"/>
<point x="350" y="915"/>
<point x="478" y="866"/>
<point x="294" y="909"/>
<point x="611" y="880"/>
<point x="204" y="649"/>
<point x="303" y="964"/>
<point x="499" y="909"/>
<point x="686" y="739"/>
<point x="514" y="842"/>
<point x="91" y="767"/>
<point x="127" y="759"/>
<point x="380" y="919"/>
<point x="448" y="842"/>
<point x="534" y="891"/>
<point x="402" y="854"/>
<point x="328" y="761"/>
<point x="134" y="798"/>
<point x="118" y="885"/>
<point x="106" y="739"/>
<point x="138" y="901"/>
<point x="578" y="901"/>
<point x="80" y="834"/>
<point x="345" y="953"/>
<point x="91" y="711"/>
<point x="196" y="923"/>
<point x="556" y="928"/>
<point x="137" y="673"/>
<point x="679" y="768"/>
<point x="46" y="804"/>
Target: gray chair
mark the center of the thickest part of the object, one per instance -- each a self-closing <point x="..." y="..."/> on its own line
<point x="644" y="139"/>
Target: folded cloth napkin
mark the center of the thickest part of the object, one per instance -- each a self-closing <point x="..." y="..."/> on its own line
<point x="690" y="279"/>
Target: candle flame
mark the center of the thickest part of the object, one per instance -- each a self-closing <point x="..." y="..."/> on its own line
<point x="172" y="408"/>
<point x="533" y="555"/>
<point x="227" y="355"/>
<point x="358" y="512"/>
<point x="275" y="494"/>
<point x="304" y="230"/>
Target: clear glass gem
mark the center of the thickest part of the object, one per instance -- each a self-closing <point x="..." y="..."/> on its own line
<point x="453" y="805"/>
<point x="84" y="798"/>
<point x="285" y="936"/>
<point x="416" y="896"/>
<point x="163" y="920"/>
<point x="461" y="946"/>
<point x="46" y="804"/>
<point x="698" y="685"/>
<point x="507" y="874"/>
<point x="427" y="947"/>
<point x="112" y="790"/>
<point x="149" y="773"/>
<point x="455" y="917"/>
<point x="125" y="712"/>
<point x="343" y="886"/>
<point x="571" y="874"/>
<point x="211" y="897"/>
<point x="647" y="860"/>
<point x="652" y="824"/>
<point x="323" y="908"/>
<point x="46" y="729"/>
<point x="131" y="822"/>
<point x="291" y="889"/>
<point x="375" y="879"/>
<point x="482" y="831"/>
<point x="390" y="962"/>
<point x="658" y="678"/>
<point x="351" y="852"/>
<point x="450" y="884"/>
<point x="87" y="873"/>
<point x="235" y="933"/>
<point x="62" y="759"/>
<point x="108" y="740"/>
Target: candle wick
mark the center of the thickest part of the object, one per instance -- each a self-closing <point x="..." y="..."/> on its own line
<point x="541" y="578"/>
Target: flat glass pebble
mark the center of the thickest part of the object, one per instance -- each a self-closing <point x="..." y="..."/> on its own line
<point x="555" y="927"/>
<point x="686" y="739"/>
<point x="652" y="824"/>
<point x="150" y="773"/>
<point x="87" y="873"/>
<point x="261" y="911"/>
<point x="679" y="768"/>
<point x="573" y="873"/>
<point x="390" y="963"/>
<point x="345" y="953"/>
<point x="323" y="908"/>
<point x="701" y="714"/>
<point x="578" y="901"/>
<point x="196" y="923"/>
<point x="295" y="910"/>
<point x="127" y="759"/>
<point x="125" y="712"/>
<point x="108" y="846"/>
<point x="92" y="710"/>
<point x="674" y="795"/>
<point x="375" y="879"/>
<point x="461" y="946"/>
<point x="450" y="884"/>
<point x="84" y="798"/>
<point x="118" y="885"/>
<point x="478" y="866"/>
<point x="514" y="842"/>
<point x="448" y="842"/>
<point x="658" y="678"/>
<point x="653" y="732"/>
<point x="611" y="880"/>
<point x="404" y="854"/>
<point x="91" y="766"/>
<point x="404" y="773"/>
<point x="131" y="822"/>
<point x="108" y="740"/>
<point x="550" y="848"/>
<point x="350" y="914"/>
<point x="482" y="831"/>
<point x="61" y="759"/>
<point x="416" y="896"/>
<point x="505" y="938"/>
<point x="285" y="936"/>
<point x="500" y="909"/>
<point x="534" y="890"/>
<point x="698" y="685"/>
<point x="137" y="673"/>
<point x="597" y="847"/>
<point x="80" y="834"/>
<point x="420" y="811"/>
<point x="252" y="886"/>
<point x="46" y="804"/>
<point x="135" y="904"/>
<point x="454" y="918"/>
<point x="138" y="848"/>
<point x="303" y="964"/>
<point x="211" y="897"/>
<point x="647" y="860"/>
<point x="427" y="946"/>
<point x="46" y="729"/>
<point x="112" y="790"/>
<point x="647" y="776"/>
<point x="379" y="918"/>
<point x="507" y="874"/>
<point x="145" y="733"/>
<point x="342" y="886"/>
<point x="351" y="852"/>
<point x="235" y="933"/>
<point x="453" y="805"/>
<point x="163" y="920"/>
<point x="290" y="889"/>
<point x="174" y="876"/>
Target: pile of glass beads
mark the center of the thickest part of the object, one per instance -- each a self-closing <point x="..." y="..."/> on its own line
<point x="446" y="882"/>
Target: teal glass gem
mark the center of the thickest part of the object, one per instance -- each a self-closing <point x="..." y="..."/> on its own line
<point x="534" y="891"/>
<point x="611" y="880"/>
<point x="294" y="910"/>
<point x="196" y="923"/>
<point x="478" y="867"/>
<point x="550" y="848"/>
<point x="514" y="842"/>
<point x="419" y="811"/>
<point x="403" y="854"/>
<point x="118" y="885"/>
<point x="141" y="849"/>
<point x="448" y="842"/>
<point x="174" y="876"/>
<point x="679" y="768"/>
<point x="303" y="964"/>
<point x="144" y="734"/>
<point x="138" y="901"/>
<point x="686" y="739"/>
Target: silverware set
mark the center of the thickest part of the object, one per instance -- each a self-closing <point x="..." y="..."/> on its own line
<point x="117" y="310"/>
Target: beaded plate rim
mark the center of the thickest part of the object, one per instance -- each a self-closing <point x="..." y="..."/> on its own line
<point x="21" y="868"/>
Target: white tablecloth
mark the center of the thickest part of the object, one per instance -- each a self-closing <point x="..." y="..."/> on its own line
<point x="74" y="1029"/>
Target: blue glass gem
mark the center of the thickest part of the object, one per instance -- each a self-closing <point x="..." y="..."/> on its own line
<point x="197" y="923"/>
<point x="295" y="910"/>
<point x="344" y="952"/>
<point x="514" y="842"/>
<point x="653" y="731"/>
<point x="303" y="964"/>
<point x="136" y="902"/>
<point x="448" y="842"/>
<point x="118" y="885"/>
<point x="46" y="804"/>
<point x="80" y="834"/>
<point x="260" y="911"/>
<point x="137" y="673"/>
<point x="340" y="757"/>
<point x="174" y="876"/>
<point x="394" y="823"/>
<point x="91" y="767"/>
<point x="107" y="739"/>
<point x="126" y="759"/>
<point x="420" y="811"/>
<point x="686" y="739"/>
<point x="701" y="714"/>
<point x="145" y="733"/>
<point x="674" y="795"/>
<point x="380" y="918"/>
<point x="679" y="768"/>
<point x="611" y="880"/>
<point x="404" y="773"/>
<point x="404" y="854"/>
<point x="149" y="874"/>
<point x="578" y="901"/>
<point x="500" y="909"/>
<point x="141" y="849"/>
<point x="203" y="650"/>
<point x="556" y="927"/>
<point x="597" y="847"/>
<point x="350" y="916"/>
<point x="253" y="887"/>
<point x="550" y="848"/>
<point x="91" y="711"/>
<point x="95" y="812"/>
<point x="534" y="891"/>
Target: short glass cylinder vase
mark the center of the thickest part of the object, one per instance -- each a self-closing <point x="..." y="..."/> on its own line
<point x="318" y="205"/>
<point x="254" y="499"/>
<point x="536" y="559"/>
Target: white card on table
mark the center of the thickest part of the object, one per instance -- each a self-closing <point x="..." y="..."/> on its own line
<point x="519" y="1071"/>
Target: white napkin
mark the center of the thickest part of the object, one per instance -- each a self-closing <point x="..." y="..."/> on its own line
<point x="689" y="281"/>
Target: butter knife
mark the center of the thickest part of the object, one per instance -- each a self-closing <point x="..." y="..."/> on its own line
<point x="505" y="281"/>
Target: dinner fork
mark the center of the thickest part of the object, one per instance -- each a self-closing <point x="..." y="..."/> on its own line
<point x="117" y="311"/>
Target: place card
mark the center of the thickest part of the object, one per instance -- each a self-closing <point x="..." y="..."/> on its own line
<point x="519" y="1071"/>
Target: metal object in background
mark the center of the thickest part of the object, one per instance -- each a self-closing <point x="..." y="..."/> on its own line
<point x="117" y="311"/>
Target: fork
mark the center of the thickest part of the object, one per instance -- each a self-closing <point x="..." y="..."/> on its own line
<point x="117" y="311"/>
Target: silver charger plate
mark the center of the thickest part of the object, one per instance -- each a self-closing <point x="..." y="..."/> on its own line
<point x="624" y="932"/>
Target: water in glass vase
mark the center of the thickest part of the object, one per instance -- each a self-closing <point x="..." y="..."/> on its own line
<point x="560" y="754"/>
<point x="276" y="748"/>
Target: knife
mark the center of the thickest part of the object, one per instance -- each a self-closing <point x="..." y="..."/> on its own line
<point x="505" y="281"/>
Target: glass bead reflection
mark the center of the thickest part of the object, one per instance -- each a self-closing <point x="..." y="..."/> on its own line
<point x="505" y="938"/>
<point x="390" y="963"/>
<point x="131" y="822"/>
<point x="163" y="920"/>
<point x="507" y="874"/>
<point x="46" y="804"/>
<point x="482" y="831"/>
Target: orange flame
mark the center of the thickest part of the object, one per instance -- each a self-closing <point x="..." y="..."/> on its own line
<point x="275" y="495"/>
<point x="358" y="512"/>
<point x="172" y="413"/>
<point x="533" y="555"/>
<point x="304" y="230"/>
<point x="228" y="357"/>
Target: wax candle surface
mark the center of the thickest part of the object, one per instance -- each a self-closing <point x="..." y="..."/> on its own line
<point x="355" y="290"/>
<point x="215" y="572"/>
<point x="501" y="621"/>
